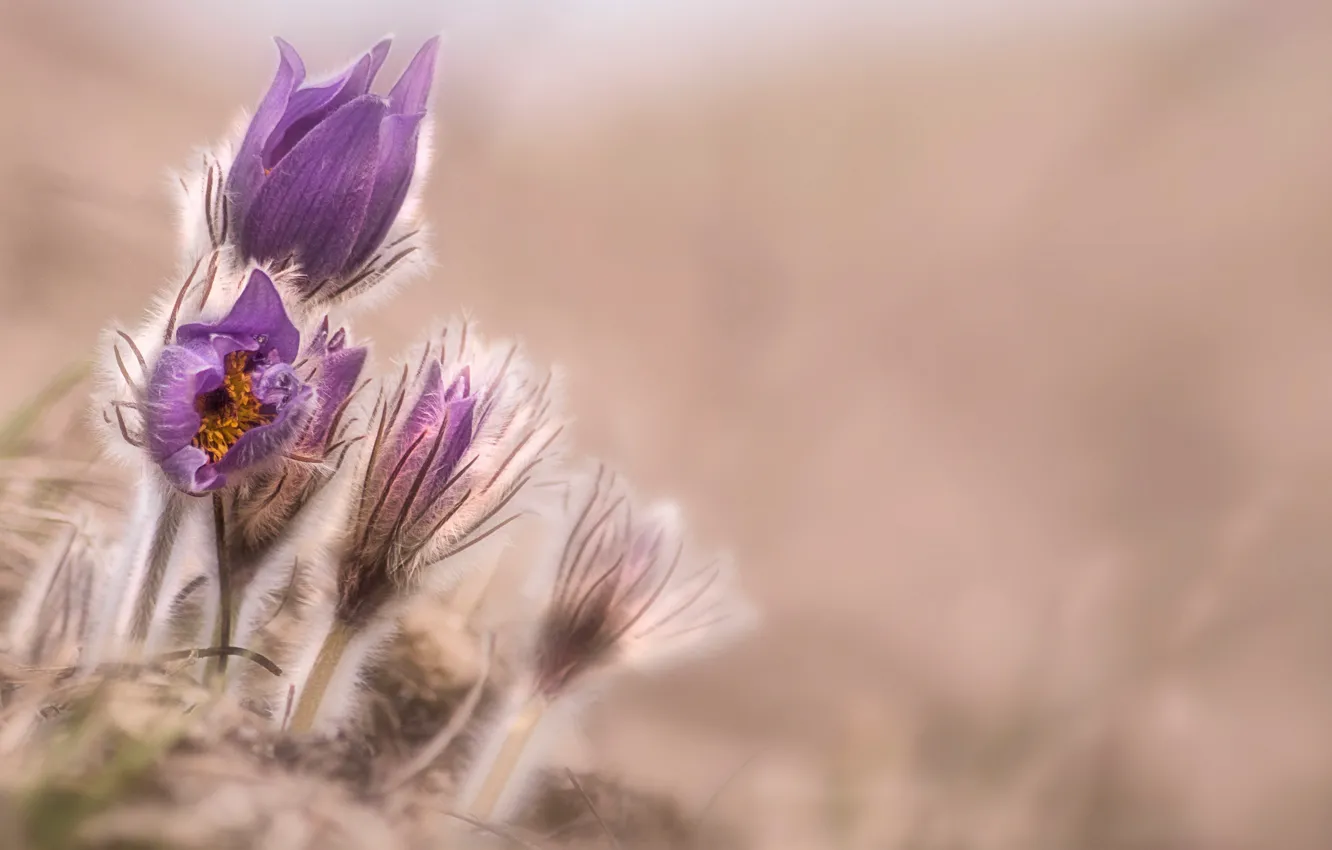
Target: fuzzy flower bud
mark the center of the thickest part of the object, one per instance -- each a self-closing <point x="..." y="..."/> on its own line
<point x="628" y="590"/>
<point x="453" y="446"/>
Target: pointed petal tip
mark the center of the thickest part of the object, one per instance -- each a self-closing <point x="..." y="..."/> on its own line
<point x="412" y="91"/>
<point x="377" y="55"/>
<point x="263" y="285"/>
<point x="434" y="377"/>
<point x="290" y="57"/>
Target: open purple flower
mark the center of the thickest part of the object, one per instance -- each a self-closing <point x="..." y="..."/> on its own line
<point x="224" y="398"/>
<point x="324" y="169"/>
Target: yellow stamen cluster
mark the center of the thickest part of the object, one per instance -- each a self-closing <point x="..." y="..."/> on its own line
<point x="230" y="410"/>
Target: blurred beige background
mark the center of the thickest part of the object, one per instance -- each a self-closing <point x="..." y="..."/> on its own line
<point x="998" y="348"/>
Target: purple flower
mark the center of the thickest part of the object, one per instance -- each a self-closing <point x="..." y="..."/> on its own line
<point x="324" y="169"/>
<point x="627" y="590"/>
<point x="224" y="398"/>
<point x="453" y="445"/>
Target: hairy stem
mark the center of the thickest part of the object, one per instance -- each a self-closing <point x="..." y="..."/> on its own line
<point x="162" y="544"/>
<point x="129" y="600"/>
<point x="320" y="676"/>
<point x="521" y="727"/>
<point x="217" y="666"/>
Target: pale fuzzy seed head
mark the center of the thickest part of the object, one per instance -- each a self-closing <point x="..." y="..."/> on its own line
<point x="626" y="588"/>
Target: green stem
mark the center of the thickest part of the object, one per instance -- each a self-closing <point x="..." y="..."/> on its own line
<point x="321" y="675"/>
<point x="521" y="729"/>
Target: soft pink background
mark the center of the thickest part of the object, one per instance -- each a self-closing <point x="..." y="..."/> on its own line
<point x="1005" y="369"/>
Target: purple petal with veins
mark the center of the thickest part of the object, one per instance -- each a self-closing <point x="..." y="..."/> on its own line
<point x="311" y="207"/>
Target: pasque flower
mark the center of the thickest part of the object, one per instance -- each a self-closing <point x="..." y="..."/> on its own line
<point x="323" y="170"/>
<point x="625" y="591"/>
<point x="224" y="398"/>
<point x="456" y="440"/>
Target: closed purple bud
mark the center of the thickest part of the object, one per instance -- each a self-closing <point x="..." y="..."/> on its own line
<point x="323" y="170"/>
<point x="435" y="435"/>
<point x="456" y="440"/>
<point x="224" y="397"/>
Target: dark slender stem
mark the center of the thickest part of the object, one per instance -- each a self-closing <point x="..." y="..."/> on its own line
<point x="223" y="585"/>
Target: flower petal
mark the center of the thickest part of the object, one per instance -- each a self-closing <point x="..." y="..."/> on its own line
<point x="428" y="409"/>
<point x="461" y="386"/>
<point x="180" y="375"/>
<point x="457" y="440"/>
<point x="314" y="202"/>
<point x="312" y="104"/>
<point x="258" y="317"/>
<point x="411" y="92"/>
<point x="276" y="385"/>
<point x="337" y="378"/>
<point x="189" y="470"/>
<point x="247" y="170"/>
<point x="398" y="137"/>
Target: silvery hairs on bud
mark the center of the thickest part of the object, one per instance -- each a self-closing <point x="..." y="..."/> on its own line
<point x="458" y="436"/>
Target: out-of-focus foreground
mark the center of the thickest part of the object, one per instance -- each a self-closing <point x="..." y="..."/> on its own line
<point x="1006" y="371"/>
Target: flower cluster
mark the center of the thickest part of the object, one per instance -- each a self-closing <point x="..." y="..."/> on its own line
<point x="276" y="458"/>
